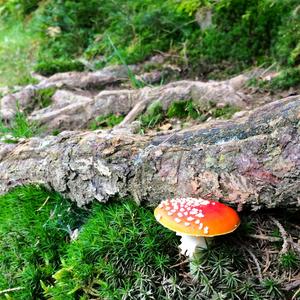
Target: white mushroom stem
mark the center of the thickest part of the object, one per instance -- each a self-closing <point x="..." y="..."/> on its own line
<point x="190" y="243"/>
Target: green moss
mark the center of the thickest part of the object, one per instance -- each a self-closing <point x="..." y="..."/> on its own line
<point x="289" y="260"/>
<point x="56" y="132"/>
<point x="107" y="121"/>
<point x="42" y="98"/>
<point x="183" y="109"/>
<point x="225" y="112"/>
<point x="121" y="252"/>
<point x="153" y="115"/>
<point x="289" y="77"/>
<point x="51" y="66"/>
<point x="35" y="226"/>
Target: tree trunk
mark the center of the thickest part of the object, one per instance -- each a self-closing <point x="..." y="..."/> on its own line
<point x="253" y="161"/>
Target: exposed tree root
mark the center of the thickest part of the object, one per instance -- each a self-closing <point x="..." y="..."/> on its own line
<point x="253" y="160"/>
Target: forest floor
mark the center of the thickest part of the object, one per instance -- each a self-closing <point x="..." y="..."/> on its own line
<point x="66" y="253"/>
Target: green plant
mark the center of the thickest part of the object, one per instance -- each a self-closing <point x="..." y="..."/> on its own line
<point x="287" y="46"/>
<point x="183" y="109"/>
<point x="289" y="260"/>
<point x="272" y="288"/>
<point x="35" y="227"/>
<point x="20" y="127"/>
<point x="18" y="51"/>
<point x="42" y="98"/>
<point x="51" y="66"/>
<point x="134" y="81"/>
<point x="153" y="115"/>
<point x="216" y="271"/>
<point x="110" y="120"/>
<point x="288" y="78"/>
<point x="242" y="33"/>
<point x="225" y="112"/>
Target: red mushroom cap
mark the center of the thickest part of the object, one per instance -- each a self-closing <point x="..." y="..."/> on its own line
<point x="197" y="217"/>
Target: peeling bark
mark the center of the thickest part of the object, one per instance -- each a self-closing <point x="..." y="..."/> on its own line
<point x="254" y="161"/>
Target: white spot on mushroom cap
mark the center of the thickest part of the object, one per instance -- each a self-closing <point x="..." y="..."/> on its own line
<point x="177" y="220"/>
<point x="180" y="215"/>
<point x="190" y="219"/>
<point x="205" y="230"/>
<point x="200" y="215"/>
<point x="187" y="224"/>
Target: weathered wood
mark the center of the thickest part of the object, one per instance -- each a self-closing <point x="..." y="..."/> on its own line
<point x="254" y="160"/>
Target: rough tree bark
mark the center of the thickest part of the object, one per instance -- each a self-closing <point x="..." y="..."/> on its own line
<point x="254" y="160"/>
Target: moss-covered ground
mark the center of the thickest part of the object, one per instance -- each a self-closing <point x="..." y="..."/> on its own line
<point x="49" y="249"/>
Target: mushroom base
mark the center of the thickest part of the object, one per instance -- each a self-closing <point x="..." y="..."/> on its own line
<point x="190" y="243"/>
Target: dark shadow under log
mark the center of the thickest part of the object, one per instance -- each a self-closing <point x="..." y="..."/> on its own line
<point x="253" y="160"/>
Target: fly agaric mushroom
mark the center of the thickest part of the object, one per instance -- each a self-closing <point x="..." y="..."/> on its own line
<point x="195" y="219"/>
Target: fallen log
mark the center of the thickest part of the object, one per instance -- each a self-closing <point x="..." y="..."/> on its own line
<point x="253" y="161"/>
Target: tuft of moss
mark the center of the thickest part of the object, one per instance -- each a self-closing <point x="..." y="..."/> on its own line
<point x="183" y="109"/>
<point x="107" y="121"/>
<point x="35" y="227"/>
<point x="121" y="253"/>
<point x="47" y="67"/>
<point x="289" y="260"/>
<point x="153" y="115"/>
<point x="288" y="77"/>
<point x="225" y="112"/>
<point x="43" y="97"/>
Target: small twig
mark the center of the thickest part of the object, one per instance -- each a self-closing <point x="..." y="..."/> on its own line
<point x="268" y="262"/>
<point x="292" y="285"/>
<point x="284" y="236"/>
<point x="255" y="260"/>
<point x="45" y="202"/>
<point x="179" y="264"/>
<point x="11" y="290"/>
<point x="295" y="226"/>
<point x="265" y="237"/>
